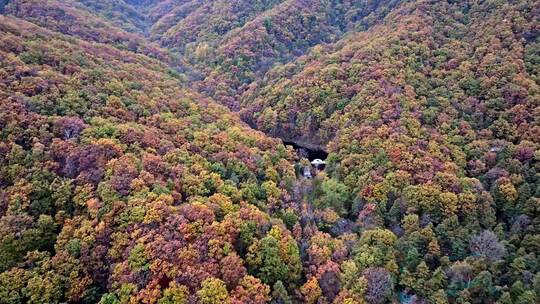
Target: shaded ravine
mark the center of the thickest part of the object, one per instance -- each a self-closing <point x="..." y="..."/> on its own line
<point x="305" y="151"/>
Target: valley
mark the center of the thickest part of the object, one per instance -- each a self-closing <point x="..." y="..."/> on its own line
<point x="269" y="151"/>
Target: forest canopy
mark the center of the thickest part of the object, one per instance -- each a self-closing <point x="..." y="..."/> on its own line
<point x="159" y="151"/>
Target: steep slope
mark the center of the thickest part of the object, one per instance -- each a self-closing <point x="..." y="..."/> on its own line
<point x="108" y="165"/>
<point x="286" y="31"/>
<point x="424" y="49"/>
<point x="205" y="21"/>
<point x="431" y="121"/>
<point x="228" y="44"/>
<point x="73" y="18"/>
<point x="126" y="14"/>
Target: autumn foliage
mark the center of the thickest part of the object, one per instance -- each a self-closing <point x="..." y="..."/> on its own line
<point x="142" y="161"/>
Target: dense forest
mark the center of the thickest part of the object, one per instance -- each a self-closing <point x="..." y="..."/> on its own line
<point x="158" y="151"/>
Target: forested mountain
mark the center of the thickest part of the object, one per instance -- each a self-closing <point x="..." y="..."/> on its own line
<point x="437" y="52"/>
<point x="142" y="156"/>
<point x="281" y="34"/>
<point x="75" y="19"/>
<point x="108" y="165"/>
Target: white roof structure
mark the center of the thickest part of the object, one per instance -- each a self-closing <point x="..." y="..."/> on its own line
<point x="318" y="162"/>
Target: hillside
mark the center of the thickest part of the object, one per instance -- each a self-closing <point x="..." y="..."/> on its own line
<point x="435" y="55"/>
<point x="102" y="151"/>
<point x="228" y="65"/>
<point x="74" y="19"/>
<point x="142" y="155"/>
<point x="431" y="120"/>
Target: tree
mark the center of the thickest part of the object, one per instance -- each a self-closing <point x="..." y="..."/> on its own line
<point x="280" y="294"/>
<point x="70" y="127"/>
<point x="12" y="284"/>
<point x="487" y="245"/>
<point x="232" y="269"/>
<point x="174" y="294"/>
<point x="335" y="195"/>
<point x="137" y="258"/>
<point x="264" y="258"/>
<point x="213" y="291"/>
<point x="311" y="291"/>
<point x="251" y="290"/>
<point x="379" y="285"/>
<point x="376" y="248"/>
<point x="275" y="257"/>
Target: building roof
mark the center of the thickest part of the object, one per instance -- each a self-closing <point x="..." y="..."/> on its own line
<point x="318" y="162"/>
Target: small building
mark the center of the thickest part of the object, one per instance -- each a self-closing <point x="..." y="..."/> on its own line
<point x="318" y="163"/>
